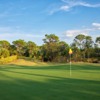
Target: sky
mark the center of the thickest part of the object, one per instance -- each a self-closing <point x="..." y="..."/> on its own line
<point x="32" y="19"/>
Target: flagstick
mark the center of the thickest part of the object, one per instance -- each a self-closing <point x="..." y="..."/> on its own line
<point x="70" y="65"/>
<point x="70" y="52"/>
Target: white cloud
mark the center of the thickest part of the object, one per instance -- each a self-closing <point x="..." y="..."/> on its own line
<point x="73" y="3"/>
<point x="27" y="37"/>
<point x="89" y="5"/>
<point x="71" y="33"/>
<point x="96" y="26"/>
<point x="85" y="31"/>
<point x="69" y="4"/>
<point x="11" y="34"/>
<point x="66" y="8"/>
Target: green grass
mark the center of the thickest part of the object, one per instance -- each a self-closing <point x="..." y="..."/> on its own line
<point x="19" y="82"/>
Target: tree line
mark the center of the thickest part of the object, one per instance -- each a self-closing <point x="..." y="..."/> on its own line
<point x="54" y="50"/>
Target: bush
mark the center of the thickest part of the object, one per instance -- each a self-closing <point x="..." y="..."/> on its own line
<point x="60" y="59"/>
<point x="8" y="59"/>
<point x="91" y="60"/>
<point x="95" y="60"/>
<point x="4" y="53"/>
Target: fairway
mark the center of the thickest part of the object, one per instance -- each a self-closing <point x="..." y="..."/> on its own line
<point x="50" y="82"/>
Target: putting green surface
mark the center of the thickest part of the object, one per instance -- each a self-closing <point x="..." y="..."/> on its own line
<point x="19" y="82"/>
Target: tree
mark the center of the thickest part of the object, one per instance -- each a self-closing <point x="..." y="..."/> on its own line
<point x="76" y="52"/>
<point x="52" y="38"/>
<point x="4" y="44"/>
<point x="50" y="47"/>
<point x="13" y="50"/>
<point x="97" y="48"/>
<point x="20" y="44"/>
<point x="4" y="53"/>
<point x="88" y="44"/>
<point x="53" y="49"/>
<point x="98" y="41"/>
<point x="79" y="40"/>
<point x="50" y="51"/>
<point x="32" y="49"/>
<point x="63" y="48"/>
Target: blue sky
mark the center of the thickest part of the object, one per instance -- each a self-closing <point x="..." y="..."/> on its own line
<point x="32" y="19"/>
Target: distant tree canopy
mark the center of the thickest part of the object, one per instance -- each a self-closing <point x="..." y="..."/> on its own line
<point x="31" y="49"/>
<point x="98" y="41"/>
<point x="4" y="53"/>
<point x="4" y="44"/>
<point x="51" y="38"/>
<point x="54" y="50"/>
<point x="20" y="44"/>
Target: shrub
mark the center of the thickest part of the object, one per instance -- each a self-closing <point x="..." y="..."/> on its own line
<point x="8" y="59"/>
<point x="60" y="59"/>
<point x="4" y="53"/>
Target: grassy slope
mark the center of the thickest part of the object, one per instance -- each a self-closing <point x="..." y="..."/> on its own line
<point x="20" y="82"/>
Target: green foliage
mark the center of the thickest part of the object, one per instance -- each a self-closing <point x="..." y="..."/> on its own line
<point x="79" y="40"/>
<point x="13" y="50"/>
<point x="76" y="52"/>
<point x="88" y="42"/>
<point x="4" y="44"/>
<point x="98" y="40"/>
<point x="50" y="48"/>
<point x="83" y="48"/>
<point x="50" y="38"/>
<point x="32" y="49"/>
<point x="4" y="53"/>
<point x="50" y="51"/>
<point x="53" y="49"/>
<point x="20" y="46"/>
<point x="63" y="49"/>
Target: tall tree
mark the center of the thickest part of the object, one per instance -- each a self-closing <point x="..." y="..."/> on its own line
<point x="97" y="48"/>
<point x="20" y="44"/>
<point x="88" y="44"/>
<point x="32" y="49"/>
<point x="63" y="48"/>
<point x="79" y="40"/>
<point x="50" y="47"/>
<point x="98" y="41"/>
<point x="76" y="52"/>
<point x="4" y="44"/>
<point x="52" y="38"/>
<point x="13" y="50"/>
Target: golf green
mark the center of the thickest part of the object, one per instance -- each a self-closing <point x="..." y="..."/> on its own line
<point x="19" y="82"/>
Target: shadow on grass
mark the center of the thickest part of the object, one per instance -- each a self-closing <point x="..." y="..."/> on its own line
<point x="40" y="75"/>
<point x="52" y="89"/>
<point x="54" y="67"/>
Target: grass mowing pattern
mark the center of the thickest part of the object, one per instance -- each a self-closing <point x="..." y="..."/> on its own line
<point x="50" y="82"/>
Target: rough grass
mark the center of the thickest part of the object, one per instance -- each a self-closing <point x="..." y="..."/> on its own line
<point x="20" y="82"/>
<point x="27" y="62"/>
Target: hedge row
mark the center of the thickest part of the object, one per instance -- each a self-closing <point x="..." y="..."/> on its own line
<point x="8" y="59"/>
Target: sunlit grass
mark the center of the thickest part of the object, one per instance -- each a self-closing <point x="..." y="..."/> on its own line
<point x="27" y="62"/>
<point x="50" y="82"/>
